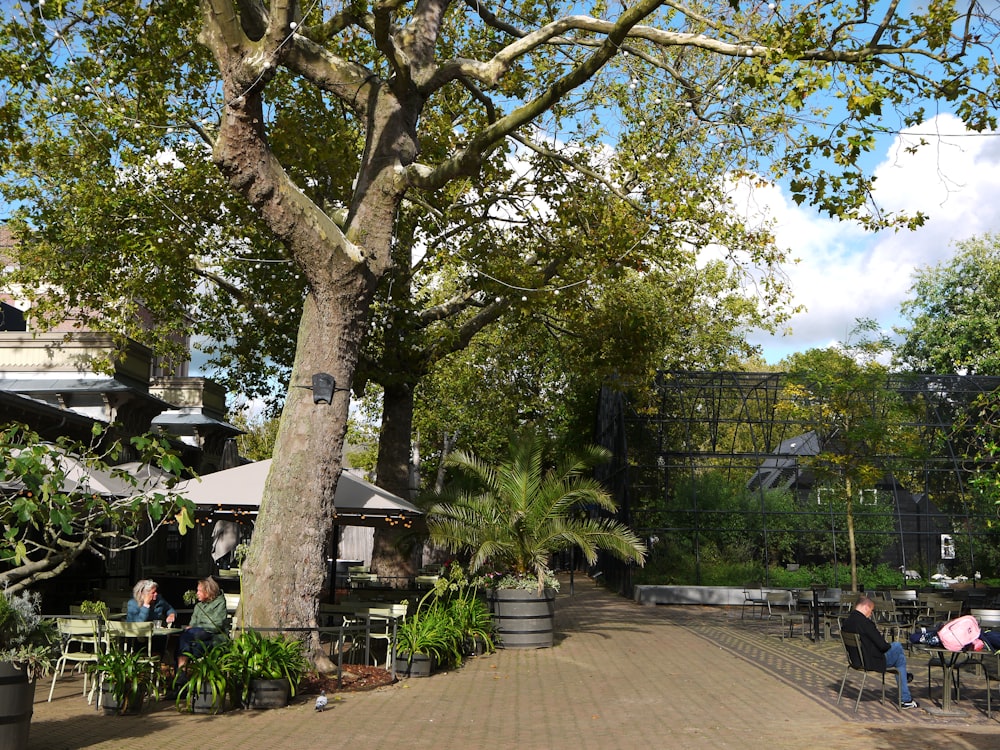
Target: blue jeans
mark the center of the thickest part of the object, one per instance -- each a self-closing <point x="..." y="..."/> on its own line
<point x="896" y="657"/>
<point x="194" y="642"/>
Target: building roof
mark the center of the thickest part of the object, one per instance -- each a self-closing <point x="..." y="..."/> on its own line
<point x="186" y="423"/>
<point x="78" y="385"/>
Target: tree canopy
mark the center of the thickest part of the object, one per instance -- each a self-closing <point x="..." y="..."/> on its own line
<point x="327" y="142"/>
<point x="954" y="313"/>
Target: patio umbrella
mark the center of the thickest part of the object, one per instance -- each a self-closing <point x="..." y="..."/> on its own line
<point x="357" y="502"/>
<point x="86" y="479"/>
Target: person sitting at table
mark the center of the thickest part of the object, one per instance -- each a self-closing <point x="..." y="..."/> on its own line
<point x="146" y="604"/>
<point x="209" y="622"/>
<point x="878" y="653"/>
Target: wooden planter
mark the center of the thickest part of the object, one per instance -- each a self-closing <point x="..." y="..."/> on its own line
<point x="269" y="693"/>
<point x="414" y="665"/>
<point x="523" y="619"/>
<point x="17" y="698"/>
<point x="111" y="706"/>
<point x="202" y="703"/>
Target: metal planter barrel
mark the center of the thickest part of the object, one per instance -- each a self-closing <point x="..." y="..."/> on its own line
<point x="414" y="665"/>
<point x="269" y="693"/>
<point x="17" y="699"/>
<point x="523" y="619"/>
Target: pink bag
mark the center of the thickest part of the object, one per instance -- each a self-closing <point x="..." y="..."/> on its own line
<point x="960" y="634"/>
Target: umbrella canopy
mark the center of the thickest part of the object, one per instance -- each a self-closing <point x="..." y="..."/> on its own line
<point x="87" y="479"/>
<point x="357" y="502"/>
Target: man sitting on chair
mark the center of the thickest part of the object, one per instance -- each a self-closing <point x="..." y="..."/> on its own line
<point x="878" y="653"/>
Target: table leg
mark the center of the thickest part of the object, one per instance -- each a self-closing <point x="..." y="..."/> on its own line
<point x="815" y="615"/>
<point x="948" y="661"/>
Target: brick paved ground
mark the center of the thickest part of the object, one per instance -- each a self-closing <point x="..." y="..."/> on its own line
<point x="621" y="676"/>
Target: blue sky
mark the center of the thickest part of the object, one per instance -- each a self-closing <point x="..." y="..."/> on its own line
<point x="844" y="273"/>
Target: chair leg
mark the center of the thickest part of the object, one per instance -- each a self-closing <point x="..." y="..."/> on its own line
<point x="843" y="682"/>
<point x="861" y="689"/>
<point x="55" y="673"/>
<point x="989" y="712"/>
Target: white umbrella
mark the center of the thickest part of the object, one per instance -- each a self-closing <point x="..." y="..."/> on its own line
<point x="79" y="477"/>
<point x="357" y="502"/>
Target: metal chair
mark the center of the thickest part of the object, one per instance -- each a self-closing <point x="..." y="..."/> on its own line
<point x="130" y="635"/>
<point x="886" y="617"/>
<point x="782" y="605"/>
<point x="382" y="623"/>
<point x="753" y="597"/>
<point x="81" y="643"/>
<point x="856" y="662"/>
<point x="988" y="618"/>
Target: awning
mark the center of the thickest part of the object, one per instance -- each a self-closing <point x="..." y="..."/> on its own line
<point x="357" y="502"/>
<point x="79" y="477"/>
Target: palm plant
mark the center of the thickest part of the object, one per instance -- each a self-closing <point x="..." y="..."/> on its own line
<point x="519" y="513"/>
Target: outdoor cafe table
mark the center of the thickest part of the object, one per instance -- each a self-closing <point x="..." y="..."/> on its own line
<point x="820" y="606"/>
<point x="949" y="660"/>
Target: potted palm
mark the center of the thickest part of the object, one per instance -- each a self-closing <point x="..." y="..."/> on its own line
<point x="511" y="518"/>
<point x="127" y="677"/>
<point x="28" y="649"/>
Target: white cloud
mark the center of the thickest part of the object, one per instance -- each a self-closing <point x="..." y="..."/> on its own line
<point x="845" y="273"/>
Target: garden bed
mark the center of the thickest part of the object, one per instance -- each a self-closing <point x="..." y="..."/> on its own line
<point x="357" y="678"/>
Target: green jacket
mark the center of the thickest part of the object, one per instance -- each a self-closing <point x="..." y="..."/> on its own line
<point x="212" y="616"/>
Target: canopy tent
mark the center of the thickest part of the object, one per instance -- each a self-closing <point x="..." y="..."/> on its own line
<point x="79" y="477"/>
<point x="357" y="502"/>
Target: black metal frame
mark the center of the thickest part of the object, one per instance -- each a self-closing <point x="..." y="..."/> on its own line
<point x="691" y="421"/>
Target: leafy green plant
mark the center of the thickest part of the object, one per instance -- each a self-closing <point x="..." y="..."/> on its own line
<point x="54" y="519"/>
<point x="130" y="676"/>
<point x="206" y="675"/>
<point x="433" y="632"/>
<point x="91" y="607"/>
<point x="474" y="621"/>
<point x="26" y="638"/>
<point x="467" y="609"/>
<point x="514" y="516"/>
<point x="190" y="597"/>
<point x="253" y="656"/>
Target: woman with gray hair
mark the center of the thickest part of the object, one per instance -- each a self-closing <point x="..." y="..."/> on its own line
<point x="146" y="605"/>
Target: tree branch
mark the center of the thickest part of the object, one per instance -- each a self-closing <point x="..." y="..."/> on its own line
<point x="469" y="159"/>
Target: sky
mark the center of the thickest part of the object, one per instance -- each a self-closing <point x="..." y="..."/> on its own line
<point x="843" y="272"/>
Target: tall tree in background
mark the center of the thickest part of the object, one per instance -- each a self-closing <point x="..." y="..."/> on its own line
<point x="954" y="313"/>
<point x="866" y="429"/>
<point x="416" y="105"/>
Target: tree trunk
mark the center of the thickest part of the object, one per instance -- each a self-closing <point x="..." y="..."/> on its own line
<point x="852" y="546"/>
<point x="393" y="474"/>
<point x="286" y="567"/>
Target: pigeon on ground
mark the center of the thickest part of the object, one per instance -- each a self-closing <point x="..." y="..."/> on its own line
<point x="321" y="700"/>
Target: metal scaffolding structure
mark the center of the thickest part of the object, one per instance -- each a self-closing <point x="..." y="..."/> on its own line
<point x="730" y="424"/>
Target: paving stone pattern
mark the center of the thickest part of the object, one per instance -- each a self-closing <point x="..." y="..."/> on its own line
<point x="621" y="676"/>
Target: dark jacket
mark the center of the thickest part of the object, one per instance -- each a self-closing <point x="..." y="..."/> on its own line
<point x="873" y="645"/>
